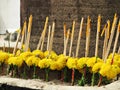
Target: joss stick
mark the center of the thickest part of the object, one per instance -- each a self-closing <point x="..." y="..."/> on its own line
<point x="70" y="50"/>
<point x="18" y="36"/>
<point x="104" y="28"/>
<point x="105" y="43"/>
<point x="116" y="41"/>
<point x="72" y="35"/>
<point x="79" y="37"/>
<point x="40" y="40"/>
<point x="52" y="36"/>
<point x="66" y="41"/>
<point x="118" y="50"/>
<point x="28" y="33"/>
<point x="64" y="27"/>
<point x="111" y="36"/>
<point x="87" y="37"/>
<point x="44" y="33"/>
<point x="23" y="34"/>
<point x="97" y="36"/>
<point x="48" y="42"/>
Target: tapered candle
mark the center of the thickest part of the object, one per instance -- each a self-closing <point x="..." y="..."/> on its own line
<point x="97" y="36"/>
<point x="111" y="36"/>
<point x="79" y="37"/>
<point x="72" y="35"/>
<point x="87" y="37"/>
<point x="28" y="33"/>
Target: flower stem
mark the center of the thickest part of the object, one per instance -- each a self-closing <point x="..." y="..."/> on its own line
<point x="100" y="81"/>
<point x="47" y="74"/>
<point x="93" y="79"/>
<point x="73" y="76"/>
<point x="65" y="74"/>
<point x="15" y="71"/>
<point x="24" y="73"/>
<point x="34" y="71"/>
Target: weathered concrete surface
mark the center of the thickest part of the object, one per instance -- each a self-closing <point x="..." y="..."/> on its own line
<point x="39" y="84"/>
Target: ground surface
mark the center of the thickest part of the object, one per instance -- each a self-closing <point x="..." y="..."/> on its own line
<point x="53" y="85"/>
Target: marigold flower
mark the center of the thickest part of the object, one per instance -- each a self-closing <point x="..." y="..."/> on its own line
<point x="38" y="53"/>
<point x="72" y="63"/>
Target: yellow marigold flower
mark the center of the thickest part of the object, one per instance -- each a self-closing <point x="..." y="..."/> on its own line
<point x="115" y="61"/>
<point x="81" y="63"/>
<point x="11" y="55"/>
<point x="32" y="60"/>
<point x="29" y="61"/>
<point x="116" y="68"/>
<point x="15" y="61"/>
<point x="3" y="57"/>
<point x="44" y="63"/>
<point x="35" y="60"/>
<point x="53" y="65"/>
<point x="105" y="69"/>
<point x="96" y="67"/>
<point x="25" y="55"/>
<point x="52" y="55"/>
<point x="91" y="61"/>
<point x="116" y="56"/>
<point x="38" y="53"/>
<point x="19" y="61"/>
<point x="72" y="63"/>
<point x="113" y="72"/>
<point x="61" y="62"/>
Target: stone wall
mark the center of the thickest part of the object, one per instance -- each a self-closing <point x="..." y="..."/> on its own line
<point x="65" y="11"/>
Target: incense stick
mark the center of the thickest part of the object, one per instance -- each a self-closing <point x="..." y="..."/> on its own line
<point x="48" y="42"/>
<point x="116" y="40"/>
<point x="18" y="36"/>
<point x="66" y="42"/>
<point x="105" y="43"/>
<point x="44" y="33"/>
<point x="87" y="37"/>
<point x="111" y="36"/>
<point x="118" y="50"/>
<point x="52" y="36"/>
<point x="72" y="35"/>
<point x="28" y="33"/>
<point x="64" y="27"/>
<point x="79" y="37"/>
<point x="97" y="36"/>
<point x="23" y="34"/>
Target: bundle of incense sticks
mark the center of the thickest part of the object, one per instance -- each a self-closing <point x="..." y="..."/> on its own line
<point x="28" y="34"/>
